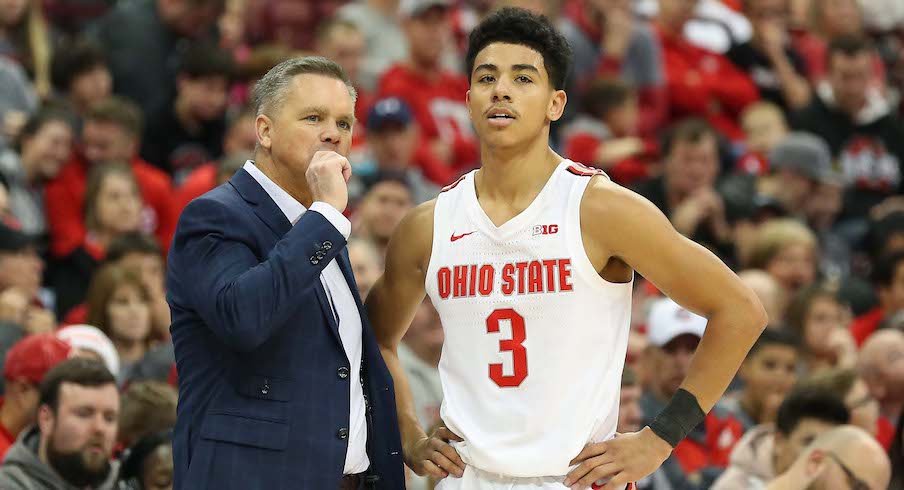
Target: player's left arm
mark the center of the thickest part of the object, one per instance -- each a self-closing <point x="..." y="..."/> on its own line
<point x="619" y="224"/>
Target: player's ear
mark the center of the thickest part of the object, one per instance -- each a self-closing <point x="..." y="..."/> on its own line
<point x="262" y="125"/>
<point x="556" y="106"/>
<point x="468" y="101"/>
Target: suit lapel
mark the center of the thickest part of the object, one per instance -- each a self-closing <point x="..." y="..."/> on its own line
<point x="262" y="204"/>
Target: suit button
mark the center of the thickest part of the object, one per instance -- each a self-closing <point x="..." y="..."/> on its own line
<point x="343" y="372"/>
<point x="342" y="434"/>
<point x="320" y="255"/>
<point x="327" y="245"/>
<point x="315" y="260"/>
<point x="266" y="388"/>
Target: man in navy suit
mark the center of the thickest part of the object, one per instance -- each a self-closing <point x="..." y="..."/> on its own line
<point x="281" y="383"/>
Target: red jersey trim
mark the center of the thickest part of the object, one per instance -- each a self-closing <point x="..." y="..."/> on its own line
<point x="582" y="170"/>
<point x="453" y="184"/>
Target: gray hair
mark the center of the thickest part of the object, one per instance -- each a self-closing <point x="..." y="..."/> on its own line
<point x="271" y="88"/>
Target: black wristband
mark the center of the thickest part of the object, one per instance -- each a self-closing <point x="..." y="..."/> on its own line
<point x="679" y="417"/>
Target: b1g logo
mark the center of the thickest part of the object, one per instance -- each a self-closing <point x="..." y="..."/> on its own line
<point x="545" y="229"/>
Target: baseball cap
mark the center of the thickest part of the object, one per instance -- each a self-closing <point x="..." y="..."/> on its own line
<point x="391" y="110"/>
<point x="804" y="153"/>
<point x="12" y="239"/>
<point x="32" y="357"/>
<point x="413" y="8"/>
<point x="668" y="320"/>
<point x="91" y="338"/>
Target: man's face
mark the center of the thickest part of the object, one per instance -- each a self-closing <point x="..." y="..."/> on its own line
<point x="882" y="367"/>
<point x="511" y="100"/>
<point x="48" y="148"/>
<point x="104" y="142"/>
<point x="891" y="297"/>
<point x="428" y="33"/>
<point x="789" y="446"/>
<point x="91" y="86"/>
<point x="205" y="96"/>
<point x="850" y="77"/>
<point x="672" y="362"/>
<point x="22" y="269"/>
<point x="630" y="414"/>
<point x="383" y="208"/>
<point x="316" y="113"/>
<point x="768" y="374"/>
<point x="79" y="437"/>
<point x="394" y="146"/>
<point x="346" y="47"/>
<point x="691" y="165"/>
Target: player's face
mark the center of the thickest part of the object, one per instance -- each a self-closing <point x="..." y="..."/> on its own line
<point x="511" y="100"/>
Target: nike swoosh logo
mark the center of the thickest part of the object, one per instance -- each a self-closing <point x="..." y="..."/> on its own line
<point x="455" y="237"/>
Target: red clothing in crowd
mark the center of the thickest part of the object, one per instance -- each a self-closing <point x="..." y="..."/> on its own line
<point x="865" y="324"/>
<point x="438" y="105"/>
<point x="722" y="433"/>
<point x="705" y="84"/>
<point x="7" y="439"/>
<point x="65" y="199"/>
<point x="885" y="432"/>
<point x="583" y="147"/>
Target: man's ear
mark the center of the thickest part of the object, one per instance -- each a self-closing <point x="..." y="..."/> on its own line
<point x="468" y="101"/>
<point x="557" y="105"/>
<point x="262" y="126"/>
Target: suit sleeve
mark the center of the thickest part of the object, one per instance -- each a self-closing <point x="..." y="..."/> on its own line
<point x="242" y="299"/>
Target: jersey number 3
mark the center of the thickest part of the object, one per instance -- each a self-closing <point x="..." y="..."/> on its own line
<point x="515" y="345"/>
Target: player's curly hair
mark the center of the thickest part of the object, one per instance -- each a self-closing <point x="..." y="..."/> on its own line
<point x="520" y="26"/>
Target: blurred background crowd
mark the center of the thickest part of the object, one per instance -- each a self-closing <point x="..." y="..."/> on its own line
<point x="769" y="131"/>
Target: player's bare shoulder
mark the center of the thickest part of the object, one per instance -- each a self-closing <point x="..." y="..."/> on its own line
<point x="613" y="217"/>
<point x="412" y="240"/>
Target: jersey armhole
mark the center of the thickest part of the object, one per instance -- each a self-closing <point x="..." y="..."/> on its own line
<point x="575" y="239"/>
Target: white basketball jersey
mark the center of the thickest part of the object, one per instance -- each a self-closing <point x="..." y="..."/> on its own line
<point x="535" y="339"/>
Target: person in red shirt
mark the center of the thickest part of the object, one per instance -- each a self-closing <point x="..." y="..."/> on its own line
<point x="888" y="281"/>
<point x="26" y="364"/>
<point x="700" y="82"/>
<point x="605" y="136"/>
<point x="435" y="95"/>
<point x="110" y="134"/>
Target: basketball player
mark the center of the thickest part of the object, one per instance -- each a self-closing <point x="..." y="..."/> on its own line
<point x="529" y="262"/>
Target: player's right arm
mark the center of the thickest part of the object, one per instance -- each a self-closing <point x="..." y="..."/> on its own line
<point x="391" y="305"/>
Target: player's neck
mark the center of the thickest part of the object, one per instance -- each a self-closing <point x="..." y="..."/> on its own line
<point x="512" y="173"/>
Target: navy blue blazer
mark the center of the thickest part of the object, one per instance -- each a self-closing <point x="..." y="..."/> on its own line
<point x="263" y="377"/>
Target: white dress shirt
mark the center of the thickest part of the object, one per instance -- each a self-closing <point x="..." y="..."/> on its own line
<point x="345" y="309"/>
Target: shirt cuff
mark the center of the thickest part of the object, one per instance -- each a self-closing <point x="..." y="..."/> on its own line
<point x="340" y="222"/>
